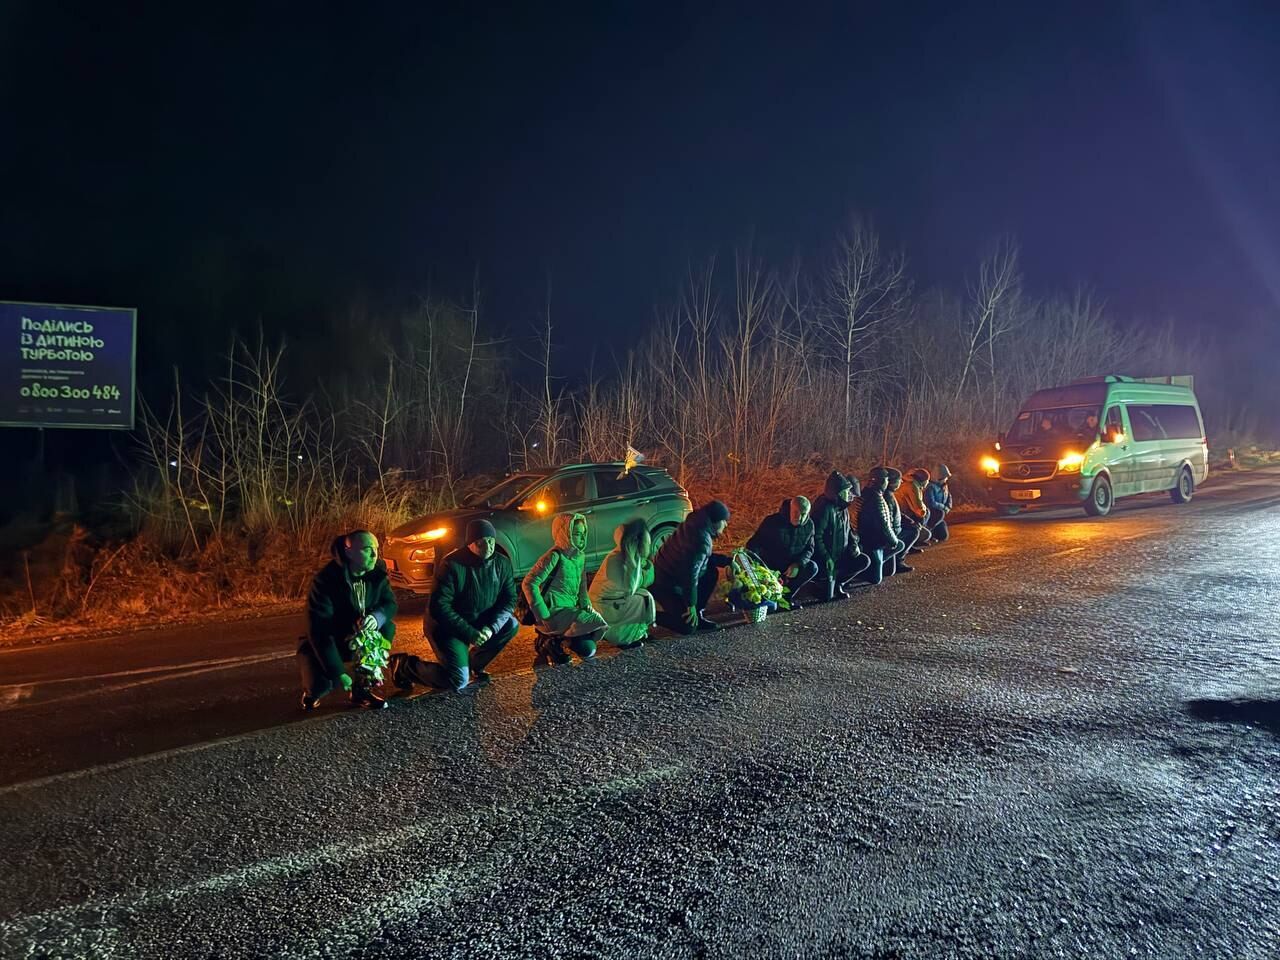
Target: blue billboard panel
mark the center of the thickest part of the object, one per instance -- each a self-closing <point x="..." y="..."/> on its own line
<point x="66" y="366"/>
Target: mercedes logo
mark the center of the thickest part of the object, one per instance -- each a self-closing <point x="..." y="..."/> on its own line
<point x="1024" y="471"/>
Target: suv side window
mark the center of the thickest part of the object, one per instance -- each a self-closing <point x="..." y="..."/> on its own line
<point x="566" y="491"/>
<point x="609" y="486"/>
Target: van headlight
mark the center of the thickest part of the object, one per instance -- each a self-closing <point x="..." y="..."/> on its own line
<point x="1071" y="463"/>
<point x="990" y="466"/>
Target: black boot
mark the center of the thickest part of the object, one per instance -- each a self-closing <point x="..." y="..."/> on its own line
<point x="366" y="699"/>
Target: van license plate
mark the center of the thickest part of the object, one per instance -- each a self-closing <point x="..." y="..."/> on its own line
<point x="1025" y="494"/>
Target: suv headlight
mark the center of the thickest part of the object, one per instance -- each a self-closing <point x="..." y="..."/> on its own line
<point x="422" y="555"/>
<point x="426" y="535"/>
<point x="1071" y="463"/>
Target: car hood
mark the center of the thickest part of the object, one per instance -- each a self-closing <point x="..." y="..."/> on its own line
<point x="456" y="520"/>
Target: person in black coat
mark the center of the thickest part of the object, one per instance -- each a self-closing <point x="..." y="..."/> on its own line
<point x="875" y="528"/>
<point x="836" y="547"/>
<point x="784" y="541"/>
<point x="470" y="618"/>
<point x="686" y="569"/>
<point x="350" y="594"/>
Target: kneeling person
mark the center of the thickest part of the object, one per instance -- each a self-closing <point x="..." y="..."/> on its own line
<point x="687" y="567"/>
<point x="556" y="591"/>
<point x="619" y="589"/>
<point x="784" y="541"/>
<point x="349" y="596"/>
<point x="470" y="618"/>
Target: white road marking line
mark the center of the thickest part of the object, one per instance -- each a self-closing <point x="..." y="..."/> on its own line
<point x="403" y="901"/>
<point x="254" y="658"/>
<point x="118" y="687"/>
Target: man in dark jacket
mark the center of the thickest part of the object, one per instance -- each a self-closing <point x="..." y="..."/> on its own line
<point x="875" y="527"/>
<point x="470" y="617"/>
<point x="784" y="541"/>
<point x="836" y="547"/>
<point x="686" y="569"/>
<point x="349" y="595"/>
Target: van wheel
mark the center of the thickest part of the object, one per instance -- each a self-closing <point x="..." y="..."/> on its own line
<point x="659" y="535"/>
<point x="1100" y="498"/>
<point x="1185" y="489"/>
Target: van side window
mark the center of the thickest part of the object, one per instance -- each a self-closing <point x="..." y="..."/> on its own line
<point x="1179" y="421"/>
<point x="1115" y="422"/>
<point x="1145" y="422"/>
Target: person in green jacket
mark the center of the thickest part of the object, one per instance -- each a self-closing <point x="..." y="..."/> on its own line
<point x="470" y="617"/>
<point x="557" y="594"/>
<point x="836" y="547"/>
<point x="351" y="594"/>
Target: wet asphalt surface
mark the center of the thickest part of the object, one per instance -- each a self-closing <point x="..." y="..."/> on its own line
<point x="1057" y="738"/>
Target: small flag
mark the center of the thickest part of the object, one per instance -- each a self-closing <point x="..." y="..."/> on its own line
<point x="630" y="461"/>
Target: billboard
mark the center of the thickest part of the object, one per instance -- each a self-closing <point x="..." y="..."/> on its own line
<point x="67" y="366"/>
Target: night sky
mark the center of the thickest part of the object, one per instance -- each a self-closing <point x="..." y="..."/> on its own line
<point x="218" y="164"/>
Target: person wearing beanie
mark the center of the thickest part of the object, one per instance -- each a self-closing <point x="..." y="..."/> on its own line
<point x="784" y="541"/>
<point x="349" y="596"/>
<point x="470" y="616"/>
<point x="937" y="500"/>
<point x="875" y="528"/>
<point x="837" y="550"/>
<point x="910" y="498"/>
<point x="556" y="592"/>
<point x="686" y="569"/>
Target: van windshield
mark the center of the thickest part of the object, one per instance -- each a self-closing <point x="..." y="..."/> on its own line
<point x="1056" y="423"/>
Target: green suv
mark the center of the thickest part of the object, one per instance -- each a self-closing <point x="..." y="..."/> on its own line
<point x="521" y="508"/>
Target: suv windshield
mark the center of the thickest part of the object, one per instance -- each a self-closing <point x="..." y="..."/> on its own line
<point x="1057" y="423"/>
<point x="504" y="492"/>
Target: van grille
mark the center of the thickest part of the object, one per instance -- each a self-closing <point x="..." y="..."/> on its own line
<point x="1028" y="471"/>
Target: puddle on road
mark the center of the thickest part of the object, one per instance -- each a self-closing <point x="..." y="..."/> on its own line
<point x="1256" y="713"/>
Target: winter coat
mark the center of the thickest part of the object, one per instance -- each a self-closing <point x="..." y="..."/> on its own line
<point x="895" y="511"/>
<point x="470" y="594"/>
<point x="619" y="592"/>
<point x="937" y="496"/>
<point x="911" y="499"/>
<point x="683" y="557"/>
<point x="875" y="521"/>
<point x="832" y="538"/>
<point x="556" y="587"/>
<point x="778" y="543"/>
<point x="337" y="601"/>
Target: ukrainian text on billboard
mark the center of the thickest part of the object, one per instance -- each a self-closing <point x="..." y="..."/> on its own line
<point x="66" y="366"/>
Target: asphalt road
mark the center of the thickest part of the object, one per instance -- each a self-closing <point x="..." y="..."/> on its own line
<point x="1058" y="737"/>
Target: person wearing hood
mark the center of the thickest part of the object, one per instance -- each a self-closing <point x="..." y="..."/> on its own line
<point x="619" y="590"/>
<point x="687" y="567"/>
<point x="784" y="541"/>
<point x="556" y="591"/>
<point x="837" y="549"/>
<point x="349" y="595"/>
<point x="910" y="497"/>
<point x="875" y="527"/>
<point x="908" y="533"/>
<point x="937" y="501"/>
<point x="470" y="617"/>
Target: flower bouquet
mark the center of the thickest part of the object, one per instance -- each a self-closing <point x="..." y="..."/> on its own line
<point x="752" y="587"/>
<point x="372" y="653"/>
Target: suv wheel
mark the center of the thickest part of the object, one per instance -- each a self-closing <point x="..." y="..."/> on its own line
<point x="659" y="535"/>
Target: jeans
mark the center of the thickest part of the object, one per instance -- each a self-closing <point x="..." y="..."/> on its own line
<point x="937" y="524"/>
<point x="458" y="657"/>
<point x="672" y="601"/>
<point x="884" y="563"/>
